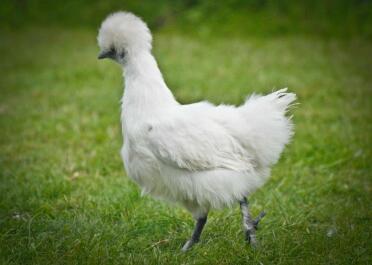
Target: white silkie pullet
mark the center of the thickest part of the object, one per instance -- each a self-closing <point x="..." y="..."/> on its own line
<point x="199" y="155"/>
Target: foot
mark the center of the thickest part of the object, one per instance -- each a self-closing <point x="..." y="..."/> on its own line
<point x="188" y="245"/>
<point x="251" y="228"/>
<point x="250" y="237"/>
<point x="200" y="222"/>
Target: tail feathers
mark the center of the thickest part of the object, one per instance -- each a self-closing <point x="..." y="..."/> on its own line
<point x="283" y="99"/>
<point x="270" y="130"/>
<point x="280" y="99"/>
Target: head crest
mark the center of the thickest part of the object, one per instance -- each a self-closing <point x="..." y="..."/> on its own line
<point x="124" y="32"/>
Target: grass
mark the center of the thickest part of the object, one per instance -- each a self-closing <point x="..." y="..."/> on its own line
<point x="64" y="196"/>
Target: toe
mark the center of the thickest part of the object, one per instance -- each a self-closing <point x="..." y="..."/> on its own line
<point x="187" y="245"/>
<point x="258" y="219"/>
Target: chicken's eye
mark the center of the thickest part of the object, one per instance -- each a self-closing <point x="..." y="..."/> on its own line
<point x="122" y="55"/>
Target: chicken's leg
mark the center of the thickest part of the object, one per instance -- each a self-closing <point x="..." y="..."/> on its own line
<point x="249" y="224"/>
<point x="200" y="222"/>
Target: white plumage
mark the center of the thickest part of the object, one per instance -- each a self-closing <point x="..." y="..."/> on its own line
<point x="199" y="155"/>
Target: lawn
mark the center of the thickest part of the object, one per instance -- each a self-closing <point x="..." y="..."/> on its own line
<point x="64" y="195"/>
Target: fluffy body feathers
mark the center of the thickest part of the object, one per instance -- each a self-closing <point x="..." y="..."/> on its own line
<point x="200" y="155"/>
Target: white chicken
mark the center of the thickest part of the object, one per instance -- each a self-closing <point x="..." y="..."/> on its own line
<point x="198" y="155"/>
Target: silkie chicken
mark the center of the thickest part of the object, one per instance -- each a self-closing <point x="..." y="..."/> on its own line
<point x="199" y="155"/>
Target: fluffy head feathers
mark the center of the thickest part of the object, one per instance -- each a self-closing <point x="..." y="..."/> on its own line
<point x="124" y="33"/>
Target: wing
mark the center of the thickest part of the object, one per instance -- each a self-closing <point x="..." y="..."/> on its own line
<point x="196" y="143"/>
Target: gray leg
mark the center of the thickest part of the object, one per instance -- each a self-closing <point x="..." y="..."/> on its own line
<point x="249" y="224"/>
<point x="200" y="222"/>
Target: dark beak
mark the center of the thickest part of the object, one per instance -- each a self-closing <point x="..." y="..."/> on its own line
<point x="106" y="54"/>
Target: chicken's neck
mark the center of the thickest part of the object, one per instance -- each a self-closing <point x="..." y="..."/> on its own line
<point x="145" y="90"/>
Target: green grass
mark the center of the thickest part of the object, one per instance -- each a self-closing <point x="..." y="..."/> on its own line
<point x="64" y="196"/>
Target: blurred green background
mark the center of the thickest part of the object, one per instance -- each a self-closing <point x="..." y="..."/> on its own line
<point x="260" y="17"/>
<point x="64" y="196"/>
